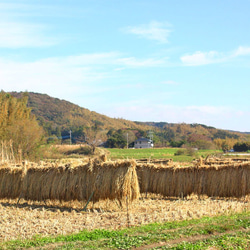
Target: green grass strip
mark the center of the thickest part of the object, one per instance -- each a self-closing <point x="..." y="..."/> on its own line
<point x="238" y="240"/>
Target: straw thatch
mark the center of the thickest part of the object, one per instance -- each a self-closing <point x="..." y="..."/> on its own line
<point x="107" y="180"/>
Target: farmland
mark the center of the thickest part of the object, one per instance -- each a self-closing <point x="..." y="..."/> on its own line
<point x="40" y="225"/>
<point x="206" y="203"/>
<point x="159" y="153"/>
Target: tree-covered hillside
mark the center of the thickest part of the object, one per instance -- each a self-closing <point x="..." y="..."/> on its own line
<point x="58" y="117"/>
<point x="53" y="112"/>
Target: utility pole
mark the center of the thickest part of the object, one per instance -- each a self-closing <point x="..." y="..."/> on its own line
<point x="70" y="136"/>
<point x="150" y="133"/>
<point x="127" y="140"/>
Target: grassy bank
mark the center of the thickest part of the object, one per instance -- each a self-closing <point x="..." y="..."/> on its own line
<point x="223" y="232"/>
<point x="159" y="153"/>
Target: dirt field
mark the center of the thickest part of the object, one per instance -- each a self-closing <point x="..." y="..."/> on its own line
<point x="29" y="219"/>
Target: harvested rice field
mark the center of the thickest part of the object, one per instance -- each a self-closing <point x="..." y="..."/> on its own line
<point x="27" y="219"/>
<point x="52" y="196"/>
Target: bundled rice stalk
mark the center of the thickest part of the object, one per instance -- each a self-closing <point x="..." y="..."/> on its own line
<point x="144" y="176"/>
<point x="107" y="180"/>
<point x="228" y="180"/>
<point x="10" y="181"/>
<point x="117" y="180"/>
<point x="166" y="180"/>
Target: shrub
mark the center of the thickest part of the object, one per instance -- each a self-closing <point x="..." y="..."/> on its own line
<point x="82" y="150"/>
<point x="241" y="146"/>
<point x="180" y="152"/>
<point x="190" y="151"/>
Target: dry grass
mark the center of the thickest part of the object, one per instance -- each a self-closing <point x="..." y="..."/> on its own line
<point x="65" y="148"/>
<point x="29" y="219"/>
<point x="59" y="151"/>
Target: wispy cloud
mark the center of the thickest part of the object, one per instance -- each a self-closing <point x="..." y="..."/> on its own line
<point x="169" y="82"/>
<point x="58" y="76"/>
<point x="20" y="35"/>
<point x="212" y="57"/>
<point x="83" y="73"/>
<point x="157" y="31"/>
<point x="89" y="59"/>
<point x="208" y="115"/>
<point x="19" y="29"/>
<point x="202" y="58"/>
<point x="242" y="51"/>
<point x="134" y="62"/>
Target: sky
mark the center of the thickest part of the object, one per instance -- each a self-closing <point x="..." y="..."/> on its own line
<point x="141" y="60"/>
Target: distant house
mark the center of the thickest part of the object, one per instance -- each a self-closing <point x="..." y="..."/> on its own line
<point x="143" y="143"/>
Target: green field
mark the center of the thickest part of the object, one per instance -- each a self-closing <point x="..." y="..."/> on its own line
<point x="158" y="153"/>
<point x="221" y="232"/>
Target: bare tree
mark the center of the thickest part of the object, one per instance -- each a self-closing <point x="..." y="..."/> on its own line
<point x="94" y="138"/>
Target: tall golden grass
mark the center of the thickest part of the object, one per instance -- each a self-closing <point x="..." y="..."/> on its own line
<point x="106" y="180"/>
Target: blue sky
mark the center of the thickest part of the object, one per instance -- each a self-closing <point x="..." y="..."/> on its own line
<point x="141" y="60"/>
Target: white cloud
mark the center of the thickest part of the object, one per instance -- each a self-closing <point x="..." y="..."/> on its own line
<point x="56" y="76"/>
<point x="108" y="58"/>
<point x="90" y="59"/>
<point x="134" y="62"/>
<point x="212" y="57"/>
<point x="201" y="58"/>
<point x="170" y="82"/>
<point x="242" y="51"/>
<point x="217" y="116"/>
<point x="154" y="31"/>
<point x="65" y="75"/>
<point x="19" y="35"/>
<point x="19" y="29"/>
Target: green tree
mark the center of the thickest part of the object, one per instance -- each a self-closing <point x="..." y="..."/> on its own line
<point x="117" y="139"/>
<point x="241" y="146"/>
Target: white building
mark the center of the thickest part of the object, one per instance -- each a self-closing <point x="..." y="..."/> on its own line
<point x="143" y="143"/>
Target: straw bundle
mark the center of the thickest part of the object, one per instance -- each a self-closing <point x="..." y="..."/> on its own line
<point x="223" y="180"/>
<point x="228" y="180"/>
<point x="10" y="181"/>
<point x="155" y="161"/>
<point x="107" y="180"/>
<point x="166" y="180"/>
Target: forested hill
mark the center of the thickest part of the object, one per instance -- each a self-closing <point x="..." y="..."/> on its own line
<point x="53" y="112"/>
<point x="57" y="117"/>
